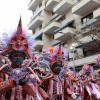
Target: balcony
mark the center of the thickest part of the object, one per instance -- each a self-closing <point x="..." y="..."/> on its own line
<point x="82" y="61"/>
<point x="49" y="4"/>
<point x="84" y="6"/>
<point x="51" y="27"/>
<point x="35" y="23"/>
<point x="65" y="34"/>
<point x="38" y="44"/>
<point x="38" y="13"/>
<point x="88" y="23"/>
<point x="33" y="4"/>
<point x="96" y="14"/>
<point x="55" y="42"/>
<point x="85" y="39"/>
<point x="37" y="34"/>
<point x="63" y="6"/>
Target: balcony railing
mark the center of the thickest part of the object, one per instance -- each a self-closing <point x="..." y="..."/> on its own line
<point x="38" y="33"/>
<point x="37" y="14"/>
<point x="52" y="20"/>
<point x="35" y="23"/>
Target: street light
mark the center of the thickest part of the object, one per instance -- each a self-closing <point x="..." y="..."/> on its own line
<point x="73" y="55"/>
<point x="72" y="48"/>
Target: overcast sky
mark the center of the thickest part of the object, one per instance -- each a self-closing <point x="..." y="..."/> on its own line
<point x="10" y="11"/>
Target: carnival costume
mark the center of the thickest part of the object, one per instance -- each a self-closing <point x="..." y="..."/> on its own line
<point x="56" y="85"/>
<point x="89" y="89"/>
<point x="98" y="78"/>
<point x="18" y="81"/>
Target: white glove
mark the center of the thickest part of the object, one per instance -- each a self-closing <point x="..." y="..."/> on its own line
<point x="79" y="98"/>
<point x="74" y="96"/>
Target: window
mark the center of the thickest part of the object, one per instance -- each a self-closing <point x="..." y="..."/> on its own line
<point x="34" y="11"/>
<point x="87" y="18"/>
<point x="90" y="48"/>
<point x="40" y="5"/>
<point x="53" y="13"/>
<point x="39" y="37"/>
<point x="40" y="50"/>
<point x="61" y="19"/>
<point x="40" y="27"/>
<point x="53" y="37"/>
<point x="34" y="32"/>
<point x="71" y="24"/>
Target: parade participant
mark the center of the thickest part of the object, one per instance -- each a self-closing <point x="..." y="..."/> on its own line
<point x="97" y="63"/>
<point x="98" y="78"/>
<point x="16" y="83"/>
<point x="89" y="90"/>
<point x="56" y="84"/>
<point x="72" y="83"/>
<point x="97" y="60"/>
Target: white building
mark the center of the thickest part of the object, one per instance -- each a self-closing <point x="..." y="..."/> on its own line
<point x="74" y="22"/>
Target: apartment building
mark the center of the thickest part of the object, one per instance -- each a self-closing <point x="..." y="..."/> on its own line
<point x="74" y="22"/>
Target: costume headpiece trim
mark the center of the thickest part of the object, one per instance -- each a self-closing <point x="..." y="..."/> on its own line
<point x="55" y="53"/>
<point x="18" y="42"/>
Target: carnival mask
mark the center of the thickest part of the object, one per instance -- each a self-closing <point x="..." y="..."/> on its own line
<point x="17" y="57"/>
<point x="57" y="67"/>
<point x="87" y="73"/>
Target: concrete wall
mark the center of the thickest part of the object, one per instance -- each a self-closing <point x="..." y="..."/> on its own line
<point x="49" y="40"/>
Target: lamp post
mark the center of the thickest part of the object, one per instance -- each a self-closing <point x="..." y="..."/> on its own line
<point x="72" y="48"/>
<point x="73" y="55"/>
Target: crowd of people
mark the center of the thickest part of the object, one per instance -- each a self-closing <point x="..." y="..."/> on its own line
<point x="26" y="76"/>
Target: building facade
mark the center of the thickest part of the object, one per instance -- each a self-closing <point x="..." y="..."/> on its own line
<point x="74" y="22"/>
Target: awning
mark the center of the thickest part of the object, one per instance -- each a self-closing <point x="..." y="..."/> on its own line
<point x="89" y="24"/>
<point x="38" y="36"/>
<point x="83" y="45"/>
<point x="57" y="43"/>
<point x="36" y="15"/>
<point x="63" y="26"/>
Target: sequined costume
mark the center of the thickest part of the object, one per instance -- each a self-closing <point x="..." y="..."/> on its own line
<point x="88" y="83"/>
<point x="16" y="82"/>
<point x="56" y="84"/>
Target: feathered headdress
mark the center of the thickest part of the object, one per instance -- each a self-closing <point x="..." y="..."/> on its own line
<point x="18" y="42"/>
<point x="55" y="53"/>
